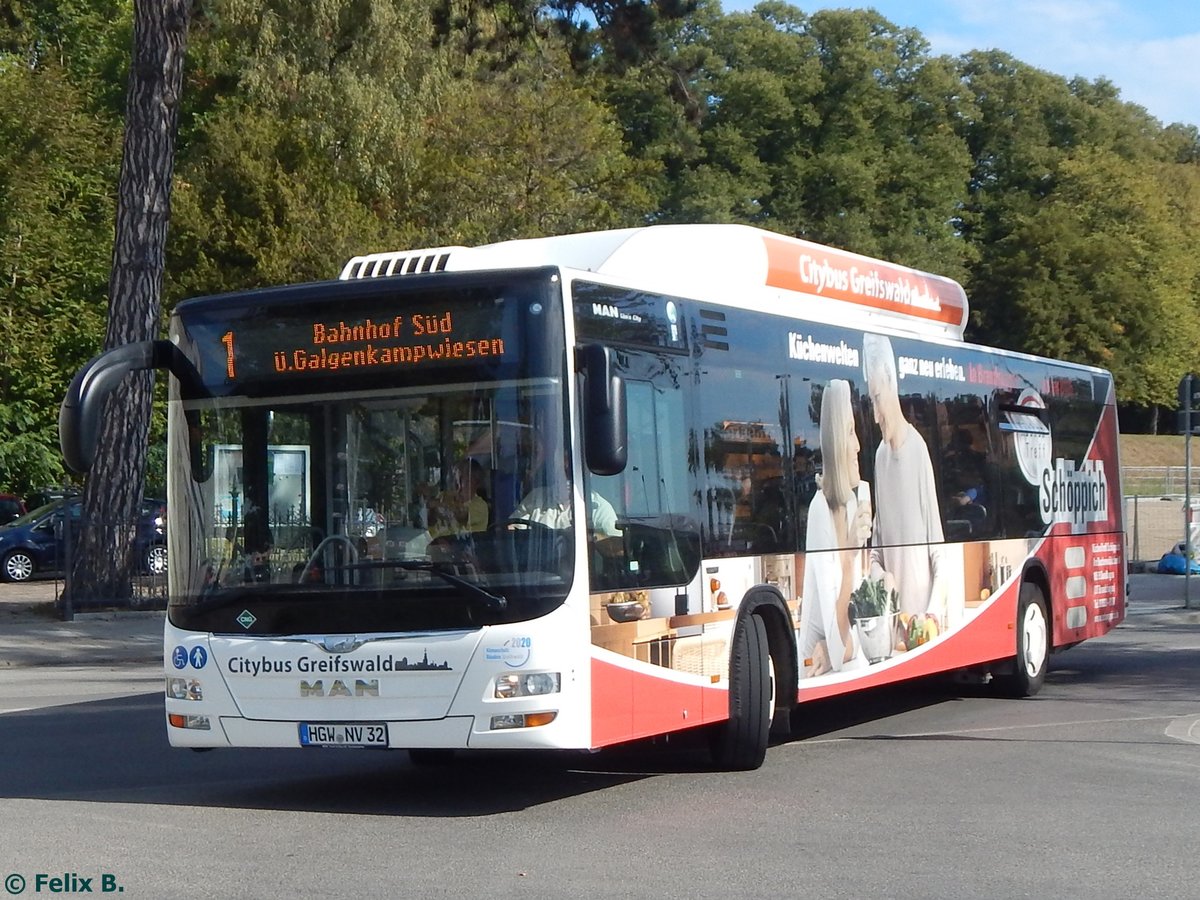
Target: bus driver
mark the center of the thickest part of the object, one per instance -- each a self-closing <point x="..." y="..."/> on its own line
<point x="549" y="501"/>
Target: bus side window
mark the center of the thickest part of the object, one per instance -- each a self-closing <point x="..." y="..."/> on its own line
<point x="752" y="462"/>
<point x="967" y="477"/>
<point x="658" y="544"/>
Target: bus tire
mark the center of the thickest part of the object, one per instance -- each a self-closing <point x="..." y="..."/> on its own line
<point x="1033" y="646"/>
<point x="740" y="743"/>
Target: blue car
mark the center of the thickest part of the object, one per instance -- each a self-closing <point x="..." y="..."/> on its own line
<point x="34" y="543"/>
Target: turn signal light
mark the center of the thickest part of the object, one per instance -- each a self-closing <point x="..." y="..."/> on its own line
<point x="197" y="723"/>
<point x="522" y="720"/>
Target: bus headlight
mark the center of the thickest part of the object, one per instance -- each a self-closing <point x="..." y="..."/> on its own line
<point x="184" y="689"/>
<point x="526" y="684"/>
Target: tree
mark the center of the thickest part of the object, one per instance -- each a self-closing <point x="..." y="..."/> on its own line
<point x="881" y="169"/>
<point x="838" y="127"/>
<point x="58" y="160"/>
<point x="1083" y="211"/>
<point x="525" y="153"/>
<point x="303" y="143"/>
<point x="1102" y="272"/>
<point x="114" y="487"/>
<point x="347" y="130"/>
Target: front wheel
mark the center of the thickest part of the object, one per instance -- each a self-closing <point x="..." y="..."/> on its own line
<point x="741" y="742"/>
<point x="1033" y="646"/>
<point x="18" y="566"/>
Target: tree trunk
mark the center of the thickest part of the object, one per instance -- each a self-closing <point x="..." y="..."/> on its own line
<point x="103" y="564"/>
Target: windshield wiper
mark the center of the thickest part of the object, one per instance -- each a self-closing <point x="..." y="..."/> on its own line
<point x="238" y="593"/>
<point x="493" y="602"/>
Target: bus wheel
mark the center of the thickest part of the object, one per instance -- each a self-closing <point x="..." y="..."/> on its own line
<point x="741" y="742"/>
<point x="1033" y="646"/>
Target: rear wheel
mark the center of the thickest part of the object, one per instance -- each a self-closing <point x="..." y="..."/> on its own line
<point x="18" y="566"/>
<point x="741" y="742"/>
<point x="1033" y="646"/>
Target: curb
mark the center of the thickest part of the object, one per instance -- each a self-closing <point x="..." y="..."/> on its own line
<point x="1166" y="615"/>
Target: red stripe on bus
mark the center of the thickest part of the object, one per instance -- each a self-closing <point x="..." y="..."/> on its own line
<point x="627" y="705"/>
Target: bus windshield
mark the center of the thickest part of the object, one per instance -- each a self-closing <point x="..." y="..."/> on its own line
<point x="368" y="501"/>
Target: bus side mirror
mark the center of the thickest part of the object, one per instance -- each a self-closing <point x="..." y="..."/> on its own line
<point x="79" y="415"/>
<point x="605" y="426"/>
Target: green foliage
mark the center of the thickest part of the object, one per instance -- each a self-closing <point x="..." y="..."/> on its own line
<point x="881" y="169"/>
<point x="57" y="168"/>
<point x="1084" y="212"/>
<point x="838" y="127"/>
<point x="524" y="153"/>
<point x="305" y="153"/>
<point x="1101" y="271"/>
<point x="345" y="132"/>
<point x="88" y="39"/>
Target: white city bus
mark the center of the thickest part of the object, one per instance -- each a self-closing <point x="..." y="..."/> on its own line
<point x="576" y="491"/>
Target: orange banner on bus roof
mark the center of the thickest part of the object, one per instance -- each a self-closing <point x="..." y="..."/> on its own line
<point x="815" y="270"/>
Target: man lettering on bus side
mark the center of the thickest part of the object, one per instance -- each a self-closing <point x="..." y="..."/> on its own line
<point x="907" y="537"/>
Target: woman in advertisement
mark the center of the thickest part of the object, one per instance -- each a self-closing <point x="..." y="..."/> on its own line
<point x="839" y="525"/>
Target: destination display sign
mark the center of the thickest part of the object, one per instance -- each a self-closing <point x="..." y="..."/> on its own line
<point x="412" y="339"/>
<point x="329" y="332"/>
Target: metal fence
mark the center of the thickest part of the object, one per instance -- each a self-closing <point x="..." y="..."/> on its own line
<point x="1158" y="481"/>
<point x="147" y="589"/>
<point x="1156" y="514"/>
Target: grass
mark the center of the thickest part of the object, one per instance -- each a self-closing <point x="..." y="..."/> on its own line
<point x="1154" y="464"/>
<point x="1156" y="450"/>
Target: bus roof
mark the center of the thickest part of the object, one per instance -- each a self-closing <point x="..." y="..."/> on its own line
<point x="735" y="265"/>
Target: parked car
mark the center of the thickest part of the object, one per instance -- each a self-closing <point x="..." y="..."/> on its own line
<point x="35" y="543"/>
<point x="11" y="507"/>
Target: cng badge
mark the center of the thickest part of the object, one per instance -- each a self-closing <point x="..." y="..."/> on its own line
<point x="246" y="619"/>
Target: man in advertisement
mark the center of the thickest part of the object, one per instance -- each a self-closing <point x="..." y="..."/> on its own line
<point x="907" y="538"/>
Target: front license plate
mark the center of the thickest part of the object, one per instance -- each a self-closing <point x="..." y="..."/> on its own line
<point x="343" y="734"/>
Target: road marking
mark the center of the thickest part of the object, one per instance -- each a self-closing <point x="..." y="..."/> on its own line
<point x="1186" y="728"/>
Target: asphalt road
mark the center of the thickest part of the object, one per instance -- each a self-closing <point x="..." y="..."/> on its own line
<point x="1088" y="791"/>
